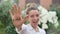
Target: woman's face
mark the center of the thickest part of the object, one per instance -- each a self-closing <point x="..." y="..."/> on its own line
<point x="33" y="17"/>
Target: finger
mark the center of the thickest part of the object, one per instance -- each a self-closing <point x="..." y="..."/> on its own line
<point x="19" y="11"/>
<point x="10" y="13"/>
<point x="14" y="9"/>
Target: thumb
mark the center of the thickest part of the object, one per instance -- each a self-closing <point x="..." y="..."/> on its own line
<point x="26" y="17"/>
<point x="10" y="13"/>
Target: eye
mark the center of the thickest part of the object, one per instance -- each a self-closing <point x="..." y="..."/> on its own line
<point x="32" y="16"/>
<point x="37" y="15"/>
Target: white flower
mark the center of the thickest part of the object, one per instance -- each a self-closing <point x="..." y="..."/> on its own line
<point x="47" y="16"/>
<point x="44" y="26"/>
<point x="53" y="18"/>
<point x="43" y="17"/>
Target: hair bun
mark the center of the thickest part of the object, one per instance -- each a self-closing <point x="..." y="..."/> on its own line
<point x="29" y="5"/>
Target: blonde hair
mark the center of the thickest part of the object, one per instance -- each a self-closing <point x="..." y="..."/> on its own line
<point x="31" y="6"/>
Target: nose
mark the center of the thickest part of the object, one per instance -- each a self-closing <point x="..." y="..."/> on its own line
<point x="35" y="18"/>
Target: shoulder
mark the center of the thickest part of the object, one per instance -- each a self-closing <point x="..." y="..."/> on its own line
<point x="42" y="31"/>
<point x="24" y="26"/>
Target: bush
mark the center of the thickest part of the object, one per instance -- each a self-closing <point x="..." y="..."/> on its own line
<point x="10" y="30"/>
<point x="58" y="13"/>
<point x="5" y="20"/>
<point x="4" y="16"/>
<point x="54" y="8"/>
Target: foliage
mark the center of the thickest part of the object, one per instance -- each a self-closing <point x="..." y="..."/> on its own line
<point x="4" y="16"/>
<point x="5" y="20"/>
<point x="10" y="29"/>
<point x="52" y="29"/>
<point x="58" y="13"/>
<point x="53" y="8"/>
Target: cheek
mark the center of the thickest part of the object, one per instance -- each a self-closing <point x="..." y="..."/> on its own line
<point x="29" y="19"/>
<point x="38" y="18"/>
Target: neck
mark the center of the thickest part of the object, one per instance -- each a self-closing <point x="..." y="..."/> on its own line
<point x="34" y="26"/>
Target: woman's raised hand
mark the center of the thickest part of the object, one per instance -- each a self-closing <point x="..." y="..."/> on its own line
<point x="16" y="16"/>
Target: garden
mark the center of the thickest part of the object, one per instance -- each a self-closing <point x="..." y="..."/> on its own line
<point x="6" y="26"/>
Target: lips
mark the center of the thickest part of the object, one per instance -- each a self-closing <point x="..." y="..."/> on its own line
<point x="34" y="22"/>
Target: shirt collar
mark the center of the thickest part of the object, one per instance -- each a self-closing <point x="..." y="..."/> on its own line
<point x="31" y="28"/>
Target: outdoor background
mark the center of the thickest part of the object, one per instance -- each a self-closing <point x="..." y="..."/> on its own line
<point x="6" y="26"/>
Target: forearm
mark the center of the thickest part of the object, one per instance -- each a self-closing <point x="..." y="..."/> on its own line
<point x="19" y="28"/>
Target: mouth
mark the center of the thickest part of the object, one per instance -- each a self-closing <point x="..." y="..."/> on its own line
<point x="34" y="22"/>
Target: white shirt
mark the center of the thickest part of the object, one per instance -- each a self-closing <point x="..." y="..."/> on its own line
<point x="28" y="29"/>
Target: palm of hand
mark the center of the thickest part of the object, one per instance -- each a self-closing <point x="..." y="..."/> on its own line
<point x="16" y="16"/>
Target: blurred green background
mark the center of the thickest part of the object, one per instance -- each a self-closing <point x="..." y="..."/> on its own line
<point x="6" y="26"/>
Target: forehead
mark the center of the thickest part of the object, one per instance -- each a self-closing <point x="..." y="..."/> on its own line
<point x="34" y="12"/>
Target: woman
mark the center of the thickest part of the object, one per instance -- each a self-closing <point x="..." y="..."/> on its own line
<point x="32" y="15"/>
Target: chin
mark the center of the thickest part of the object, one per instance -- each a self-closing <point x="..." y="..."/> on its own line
<point x="35" y="24"/>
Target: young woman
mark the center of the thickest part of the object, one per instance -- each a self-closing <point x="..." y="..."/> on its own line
<point x="32" y="15"/>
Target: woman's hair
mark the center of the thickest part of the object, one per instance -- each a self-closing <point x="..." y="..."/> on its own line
<point x="31" y="6"/>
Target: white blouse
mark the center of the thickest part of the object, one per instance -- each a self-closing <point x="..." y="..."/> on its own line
<point x="28" y="29"/>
